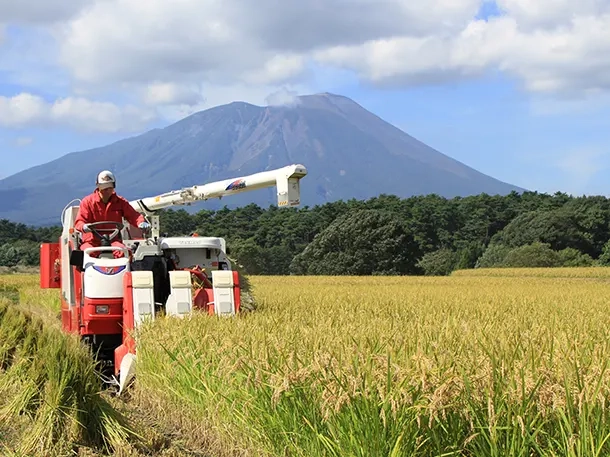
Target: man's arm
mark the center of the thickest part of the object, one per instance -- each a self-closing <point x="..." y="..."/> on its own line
<point x="84" y="215"/>
<point x="132" y="216"/>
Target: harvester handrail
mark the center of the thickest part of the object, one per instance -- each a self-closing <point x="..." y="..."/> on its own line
<point x="63" y="212"/>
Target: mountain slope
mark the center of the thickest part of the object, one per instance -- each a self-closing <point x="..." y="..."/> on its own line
<point x="349" y="153"/>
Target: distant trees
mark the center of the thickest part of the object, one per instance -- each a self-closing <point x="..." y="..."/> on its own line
<point x="427" y="235"/>
<point x="362" y="242"/>
<point x="20" y="245"/>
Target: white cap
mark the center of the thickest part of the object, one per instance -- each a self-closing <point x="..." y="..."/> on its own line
<point x="105" y="179"/>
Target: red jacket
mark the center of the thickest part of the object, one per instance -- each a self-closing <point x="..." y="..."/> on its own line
<point x="93" y="209"/>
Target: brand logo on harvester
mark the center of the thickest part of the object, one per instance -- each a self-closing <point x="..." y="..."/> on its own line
<point x="237" y="184"/>
<point x="109" y="270"/>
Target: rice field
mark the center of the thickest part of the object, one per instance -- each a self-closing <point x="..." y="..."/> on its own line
<point x="507" y="362"/>
<point x="49" y="394"/>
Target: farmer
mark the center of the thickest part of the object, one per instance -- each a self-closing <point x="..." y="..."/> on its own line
<point x="105" y="205"/>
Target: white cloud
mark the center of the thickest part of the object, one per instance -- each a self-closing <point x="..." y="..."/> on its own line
<point x="549" y="14"/>
<point x="172" y="94"/>
<point x="21" y="110"/>
<point x="82" y="114"/>
<point x="277" y="69"/>
<point x="122" y="41"/>
<point x="214" y="95"/>
<point x="574" y="57"/>
<point x="40" y="12"/>
<point x="180" y="57"/>
<point x="282" y="97"/>
<point x="90" y="115"/>
<point x="550" y="45"/>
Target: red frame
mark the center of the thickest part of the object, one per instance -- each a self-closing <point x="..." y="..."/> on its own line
<point x="102" y="324"/>
<point x="50" y="273"/>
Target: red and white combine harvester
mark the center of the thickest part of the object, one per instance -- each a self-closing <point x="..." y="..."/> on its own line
<point x="103" y="298"/>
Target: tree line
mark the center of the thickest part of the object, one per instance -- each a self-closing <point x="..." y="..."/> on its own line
<point x="386" y="235"/>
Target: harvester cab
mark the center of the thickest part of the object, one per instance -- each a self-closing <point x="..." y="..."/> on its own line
<point x="105" y="296"/>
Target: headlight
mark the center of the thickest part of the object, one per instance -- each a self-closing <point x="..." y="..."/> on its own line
<point x="102" y="309"/>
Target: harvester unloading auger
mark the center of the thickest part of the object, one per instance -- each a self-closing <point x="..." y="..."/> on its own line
<point x="103" y="299"/>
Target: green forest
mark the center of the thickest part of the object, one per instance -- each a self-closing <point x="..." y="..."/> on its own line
<point x="386" y="235"/>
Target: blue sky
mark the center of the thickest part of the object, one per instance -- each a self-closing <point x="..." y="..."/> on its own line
<point x="516" y="89"/>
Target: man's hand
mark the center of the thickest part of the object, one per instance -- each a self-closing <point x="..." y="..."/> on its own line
<point x="86" y="228"/>
<point x="144" y="225"/>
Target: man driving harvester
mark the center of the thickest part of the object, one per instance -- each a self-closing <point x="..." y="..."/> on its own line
<point x="104" y="205"/>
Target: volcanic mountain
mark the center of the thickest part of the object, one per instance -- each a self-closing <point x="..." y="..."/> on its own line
<point x="349" y="153"/>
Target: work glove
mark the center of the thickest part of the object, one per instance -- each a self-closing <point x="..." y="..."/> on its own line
<point x="86" y="228"/>
<point x="144" y="225"/>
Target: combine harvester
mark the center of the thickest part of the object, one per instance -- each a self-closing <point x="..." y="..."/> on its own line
<point x="103" y="299"/>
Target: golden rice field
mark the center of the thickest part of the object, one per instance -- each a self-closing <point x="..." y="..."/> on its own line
<point x="510" y="362"/>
